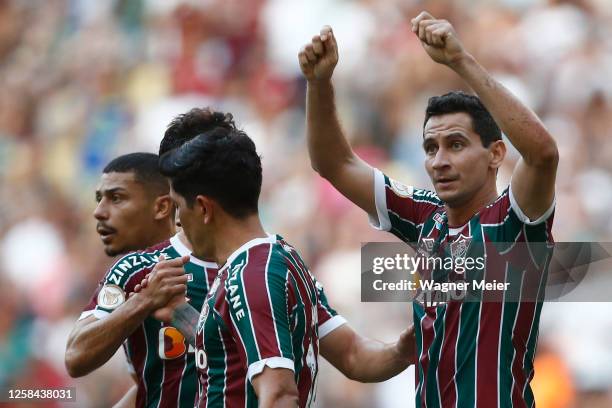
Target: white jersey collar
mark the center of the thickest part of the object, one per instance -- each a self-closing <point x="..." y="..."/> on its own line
<point x="270" y="239"/>
<point x="182" y="249"/>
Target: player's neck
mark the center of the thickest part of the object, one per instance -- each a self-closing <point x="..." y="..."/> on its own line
<point x="161" y="234"/>
<point x="234" y="234"/>
<point x="461" y="214"/>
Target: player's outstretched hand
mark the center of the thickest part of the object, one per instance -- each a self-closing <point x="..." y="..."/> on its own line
<point x="438" y="38"/>
<point x="406" y="345"/>
<point x="319" y="58"/>
<point x="165" y="286"/>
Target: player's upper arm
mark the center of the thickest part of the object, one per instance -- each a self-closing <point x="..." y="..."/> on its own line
<point x="276" y="387"/>
<point x="354" y="178"/>
<point x="533" y="187"/>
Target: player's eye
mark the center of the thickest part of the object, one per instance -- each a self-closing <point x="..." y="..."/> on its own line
<point x="431" y="149"/>
<point x="116" y="198"/>
<point x="456" y="145"/>
<point x="98" y="198"/>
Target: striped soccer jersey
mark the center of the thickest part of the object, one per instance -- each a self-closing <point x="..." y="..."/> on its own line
<point x="157" y="353"/>
<point x="265" y="308"/>
<point x="472" y="354"/>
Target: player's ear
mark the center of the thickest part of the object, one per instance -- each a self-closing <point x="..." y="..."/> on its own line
<point x="497" y="152"/>
<point x="205" y="207"/>
<point x="164" y="207"/>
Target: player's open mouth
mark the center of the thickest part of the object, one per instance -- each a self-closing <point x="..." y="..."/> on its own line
<point x="107" y="238"/>
<point x="106" y="234"/>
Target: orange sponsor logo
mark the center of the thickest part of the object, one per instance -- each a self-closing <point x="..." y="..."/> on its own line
<point x="171" y="343"/>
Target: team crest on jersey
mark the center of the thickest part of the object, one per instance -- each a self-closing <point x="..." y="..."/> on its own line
<point x="459" y="247"/>
<point x="111" y="296"/>
<point x="401" y="189"/>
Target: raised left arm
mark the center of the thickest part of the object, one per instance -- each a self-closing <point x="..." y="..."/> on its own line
<point x="533" y="181"/>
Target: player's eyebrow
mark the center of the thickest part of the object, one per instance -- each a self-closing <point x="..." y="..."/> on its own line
<point x="456" y="134"/>
<point x="112" y="190"/>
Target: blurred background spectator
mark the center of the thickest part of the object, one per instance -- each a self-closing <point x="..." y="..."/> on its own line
<point x="84" y="81"/>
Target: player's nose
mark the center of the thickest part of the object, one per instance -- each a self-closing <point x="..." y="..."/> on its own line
<point x="440" y="160"/>
<point x="100" y="212"/>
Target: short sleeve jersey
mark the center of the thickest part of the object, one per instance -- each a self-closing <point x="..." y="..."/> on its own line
<point x="470" y="353"/>
<point x="157" y="353"/>
<point x="264" y="309"/>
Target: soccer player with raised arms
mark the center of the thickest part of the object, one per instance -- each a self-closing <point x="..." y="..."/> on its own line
<point x="468" y="354"/>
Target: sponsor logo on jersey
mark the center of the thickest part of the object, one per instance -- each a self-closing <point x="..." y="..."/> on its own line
<point x="171" y="343"/>
<point x="424" y="193"/>
<point x="111" y="296"/>
<point x="439" y="220"/>
<point x="131" y="263"/>
<point x="401" y="189"/>
<point x="426" y="247"/>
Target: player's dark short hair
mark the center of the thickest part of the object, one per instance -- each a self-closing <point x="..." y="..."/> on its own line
<point x="145" y="167"/>
<point x="221" y="163"/>
<point x="195" y="122"/>
<point x="458" y="101"/>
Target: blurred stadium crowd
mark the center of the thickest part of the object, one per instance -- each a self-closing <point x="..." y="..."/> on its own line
<point x="83" y="81"/>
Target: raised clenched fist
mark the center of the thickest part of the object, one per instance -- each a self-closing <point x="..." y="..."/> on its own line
<point x="319" y="58"/>
<point x="438" y="38"/>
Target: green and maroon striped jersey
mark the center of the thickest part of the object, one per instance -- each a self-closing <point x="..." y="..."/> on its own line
<point x="472" y="354"/>
<point x="264" y="309"/>
<point x="157" y="353"/>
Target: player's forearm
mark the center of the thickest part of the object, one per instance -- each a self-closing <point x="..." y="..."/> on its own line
<point x="524" y="129"/>
<point x="327" y="145"/>
<point x="93" y="344"/>
<point x="375" y="361"/>
<point x="185" y="319"/>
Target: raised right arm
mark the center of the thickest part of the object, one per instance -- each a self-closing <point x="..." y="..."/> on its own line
<point x="330" y="153"/>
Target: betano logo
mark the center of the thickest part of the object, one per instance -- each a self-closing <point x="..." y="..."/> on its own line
<point x="172" y="343"/>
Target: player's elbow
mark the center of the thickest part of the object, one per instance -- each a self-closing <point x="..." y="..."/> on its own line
<point x="350" y="361"/>
<point x="285" y="398"/>
<point x="551" y="153"/>
<point x="333" y="171"/>
<point x="74" y="362"/>
<point x="546" y="156"/>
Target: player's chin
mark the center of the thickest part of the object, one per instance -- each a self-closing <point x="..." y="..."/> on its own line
<point x="449" y="196"/>
<point x="113" y="250"/>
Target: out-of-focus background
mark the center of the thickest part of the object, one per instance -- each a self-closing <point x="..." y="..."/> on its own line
<point x="82" y="81"/>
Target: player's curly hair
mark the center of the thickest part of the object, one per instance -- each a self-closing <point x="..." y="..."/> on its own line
<point x="458" y="101"/>
<point x="188" y="125"/>
<point x="221" y="163"/>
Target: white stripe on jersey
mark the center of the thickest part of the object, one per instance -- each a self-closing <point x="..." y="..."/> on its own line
<point x="248" y="306"/>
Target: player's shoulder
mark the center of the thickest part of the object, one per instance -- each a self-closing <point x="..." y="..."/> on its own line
<point x="498" y="210"/>
<point x="401" y="190"/>
<point x="137" y="261"/>
<point x="270" y="256"/>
